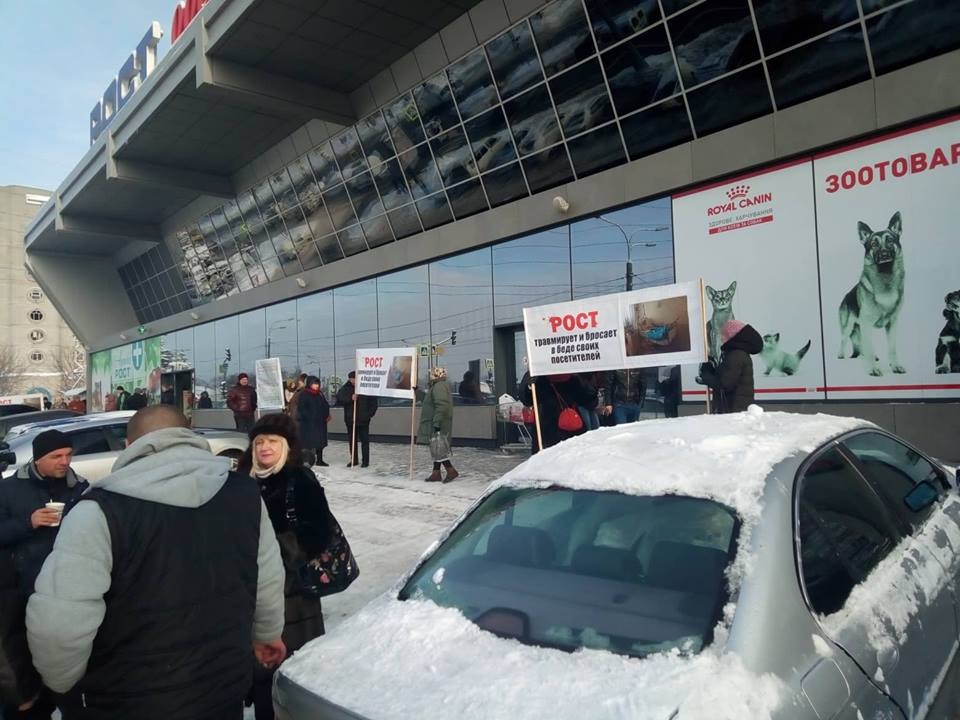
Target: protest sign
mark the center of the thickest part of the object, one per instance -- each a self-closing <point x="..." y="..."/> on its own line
<point x="269" y="384"/>
<point x="387" y="372"/>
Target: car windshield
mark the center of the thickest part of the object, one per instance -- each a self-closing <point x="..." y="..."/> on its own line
<point x="570" y="569"/>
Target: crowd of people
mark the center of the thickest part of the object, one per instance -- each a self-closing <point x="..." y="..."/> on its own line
<point x="171" y="588"/>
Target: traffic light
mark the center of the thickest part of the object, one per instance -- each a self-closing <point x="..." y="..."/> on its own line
<point x="226" y="355"/>
<point x="453" y="337"/>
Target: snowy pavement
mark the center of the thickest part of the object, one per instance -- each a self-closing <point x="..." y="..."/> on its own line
<point x="390" y="519"/>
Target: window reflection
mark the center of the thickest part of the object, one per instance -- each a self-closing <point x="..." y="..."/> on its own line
<point x="338" y="204"/>
<point x="206" y="376"/>
<point x="514" y="61"/>
<point x="375" y="138"/>
<point x="329" y="247"/>
<point x="434" y="211"/>
<point x="266" y="203"/>
<point x="404" y="221"/>
<point x="581" y="98"/>
<point x="324" y="166"/>
<point x="615" y="20"/>
<point x="315" y="352"/>
<point x="562" y="35"/>
<point x="281" y="336"/>
<point x="548" y="168"/>
<point x="302" y="239"/>
<point x="377" y="231"/>
<point x="505" y="185"/>
<point x="403" y="302"/>
<point x="460" y="298"/>
<point x="784" y="23"/>
<point x="227" y="335"/>
<point x="467" y="199"/>
<point x="490" y="140"/>
<point x="712" y="39"/>
<point x="351" y="240"/>
<point x="436" y="105"/>
<point x="533" y="121"/>
<point x="420" y="171"/>
<point x="833" y="62"/>
<point x="252" y="342"/>
<point x="346" y="147"/>
<point x="656" y="128"/>
<point x="730" y="101"/>
<point x="912" y="32"/>
<point x="362" y="192"/>
<point x="283" y="191"/>
<point x="453" y="155"/>
<point x="529" y="271"/>
<point x="597" y="150"/>
<point x="355" y="319"/>
<point x="472" y="84"/>
<point x="283" y="243"/>
<point x="641" y="71"/>
<point x="391" y="185"/>
<point x="403" y="121"/>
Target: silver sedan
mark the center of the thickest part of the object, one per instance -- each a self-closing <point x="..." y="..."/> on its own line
<point x="738" y="567"/>
<point x="99" y="438"/>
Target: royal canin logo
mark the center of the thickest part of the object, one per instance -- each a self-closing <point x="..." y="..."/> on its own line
<point x="739" y="198"/>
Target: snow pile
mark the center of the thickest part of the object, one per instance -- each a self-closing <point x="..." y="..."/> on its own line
<point x="415" y="659"/>
<point x="718" y="457"/>
<point x="912" y="575"/>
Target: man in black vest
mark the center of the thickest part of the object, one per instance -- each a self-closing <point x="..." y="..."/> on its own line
<point x="164" y="580"/>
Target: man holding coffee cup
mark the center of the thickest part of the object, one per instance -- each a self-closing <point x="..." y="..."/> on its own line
<point x="32" y="504"/>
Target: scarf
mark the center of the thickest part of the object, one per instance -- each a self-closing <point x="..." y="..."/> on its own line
<point x="260" y="472"/>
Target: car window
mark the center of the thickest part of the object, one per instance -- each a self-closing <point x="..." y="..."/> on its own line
<point x="116" y="435"/>
<point x="572" y="568"/>
<point x="894" y="469"/>
<point x="87" y="442"/>
<point x="843" y="530"/>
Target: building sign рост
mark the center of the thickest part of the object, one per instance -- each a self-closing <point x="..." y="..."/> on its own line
<point x="134" y="71"/>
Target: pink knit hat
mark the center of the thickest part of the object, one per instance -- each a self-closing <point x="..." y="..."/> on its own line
<point x="730" y="329"/>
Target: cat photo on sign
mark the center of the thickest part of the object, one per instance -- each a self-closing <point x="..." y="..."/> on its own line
<point x="947" y="354"/>
<point x="778" y="360"/>
<point x="722" y="302"/>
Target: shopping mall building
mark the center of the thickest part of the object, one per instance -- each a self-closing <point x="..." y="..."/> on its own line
<point x="297" y="180"/>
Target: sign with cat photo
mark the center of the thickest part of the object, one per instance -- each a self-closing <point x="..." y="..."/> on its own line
<point x="888" y="218"/>
<point x="753" y="241"/>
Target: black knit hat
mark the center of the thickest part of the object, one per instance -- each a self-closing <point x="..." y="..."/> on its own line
<point x="352" y="374"/>
<point x="48" y="442"/>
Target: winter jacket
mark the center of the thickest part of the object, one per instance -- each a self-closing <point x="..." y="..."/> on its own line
<point x="312" y="413"/>
<point x="205" y="403"/>
<point x="158" y="580"/>
<point x="292" y="405"/>
<point x="733" y="377"/>
<point x="19" y="497"/>
<point x="122" y="398"/>
<point x="552" y="397"/>
<point x="311" y="537"/>
<point x="242" y="399"/>
<point x="437" y="412"/>
<point x="366" y="405"/>
<point x="136" y="401"/>
<point x="18" y="680"/>
<point x="625" y="386"/>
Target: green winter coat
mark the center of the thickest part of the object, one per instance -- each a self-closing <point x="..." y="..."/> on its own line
<point x="437" y="412"/>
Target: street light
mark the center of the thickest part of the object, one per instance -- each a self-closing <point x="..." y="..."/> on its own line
<point x="275" y="324"/>
<point x="629" y="256"/>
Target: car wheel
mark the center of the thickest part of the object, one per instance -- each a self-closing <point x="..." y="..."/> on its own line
<point x="234" y="457"/>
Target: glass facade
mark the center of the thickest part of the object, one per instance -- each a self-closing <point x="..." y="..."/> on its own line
<point x="578" y="87"/>
<point x="451" y="308"/>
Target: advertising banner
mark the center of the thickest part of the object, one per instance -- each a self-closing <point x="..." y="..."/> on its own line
<point x="135" y="365"/>
<point x="34" y="400"/>
<point x="269" y="384"/>
<point x="753" y="241"/>
<point x="387" y="372"/>
<point x="643" y="328"/>
<point x="888" y="219"/>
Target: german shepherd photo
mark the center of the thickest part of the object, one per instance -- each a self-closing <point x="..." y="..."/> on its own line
<point x="875" y="301"/>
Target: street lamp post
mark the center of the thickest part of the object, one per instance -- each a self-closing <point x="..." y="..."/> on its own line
<point x="275" y="324"/>
<point x="629" y="255"/>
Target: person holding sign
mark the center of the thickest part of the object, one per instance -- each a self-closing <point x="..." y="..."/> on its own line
<point x="558" y="397"/>
<point x="732" y="379"/>
<point x="366" y="406"/>
<point x="436" y="425"/>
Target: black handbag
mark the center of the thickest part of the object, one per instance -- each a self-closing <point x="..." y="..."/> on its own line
<point x="333" y="570"/>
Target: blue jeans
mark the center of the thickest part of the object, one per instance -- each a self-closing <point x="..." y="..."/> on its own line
<point x="591" y="421"/>
<point x="626" y="413"/>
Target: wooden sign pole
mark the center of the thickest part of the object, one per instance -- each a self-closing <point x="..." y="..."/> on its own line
<point x="353" y="435"/>
<point x="413" y="407"/>
<point x="536" y="413"/>
<point x="706" y="344"/>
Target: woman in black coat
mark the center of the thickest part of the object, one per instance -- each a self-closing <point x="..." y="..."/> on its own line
<point x="554" y="394"/>
<point x="301" y="518"/>
<point x="313" y="414"/>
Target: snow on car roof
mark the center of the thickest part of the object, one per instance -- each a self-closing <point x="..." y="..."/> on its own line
<point x="726" y="458"/>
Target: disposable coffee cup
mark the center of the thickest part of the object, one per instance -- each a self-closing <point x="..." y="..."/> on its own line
<point x="58" y="506"/>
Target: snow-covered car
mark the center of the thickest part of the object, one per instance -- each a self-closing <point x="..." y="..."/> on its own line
<point x="97" y="440"/>
<point x="748" y="566"/>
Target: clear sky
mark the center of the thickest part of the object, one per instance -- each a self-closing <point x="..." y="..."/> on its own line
<point x="56" y="59"/>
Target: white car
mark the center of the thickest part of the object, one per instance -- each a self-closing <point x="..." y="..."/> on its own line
<point x="98" y="439"/>
<point x="731" y="567"/>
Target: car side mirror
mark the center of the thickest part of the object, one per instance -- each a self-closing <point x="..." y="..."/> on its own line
<point x="923" y="495"/>
<point x="4" y="446"/>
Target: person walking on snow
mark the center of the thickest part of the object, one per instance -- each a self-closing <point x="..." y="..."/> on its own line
<point x="436" y="418"/>
<point x="242" y="400"/>
<point x="164" y="580"/>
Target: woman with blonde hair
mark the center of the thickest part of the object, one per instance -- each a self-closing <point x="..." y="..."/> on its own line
<point x="436" y="425"/>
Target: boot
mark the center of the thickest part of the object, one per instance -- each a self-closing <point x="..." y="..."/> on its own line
<point x="452" y="474"/>
<point x="434" y="476"/>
